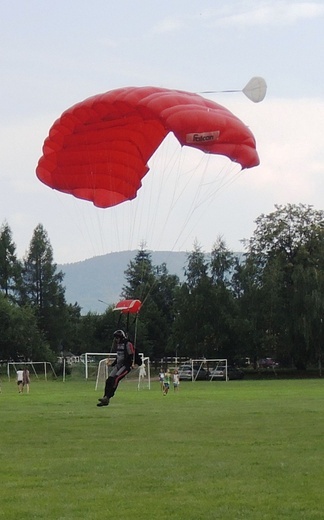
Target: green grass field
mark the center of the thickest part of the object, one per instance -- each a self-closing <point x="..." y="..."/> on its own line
<point x="215" y="450"/>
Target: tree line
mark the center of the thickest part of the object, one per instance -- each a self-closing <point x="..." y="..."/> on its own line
<point x="267" y="303"/>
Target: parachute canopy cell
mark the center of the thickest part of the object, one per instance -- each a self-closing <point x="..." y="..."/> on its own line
<point x="98" y="149"/>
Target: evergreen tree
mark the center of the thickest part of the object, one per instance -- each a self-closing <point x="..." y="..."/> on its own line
<point x="140" y="276"/>
<point x="225" y="340"/>
<point x="193" y="327"/>
<point x="42" y="288"/>
<point x="154" y="287"/>
<point x="197" y="267"/>
<point x="10" y="267"/>
<point x="222" y="262"/>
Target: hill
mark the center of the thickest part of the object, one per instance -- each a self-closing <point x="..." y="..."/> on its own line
<point x="102" y="277"/>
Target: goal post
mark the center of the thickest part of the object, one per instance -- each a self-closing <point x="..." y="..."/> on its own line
<point x="141" y="374"/>
<point x="32" y="365"/>
<point x="201" y="363"/>
<point x="222" y="363"/>
<point x="91" y="361"/>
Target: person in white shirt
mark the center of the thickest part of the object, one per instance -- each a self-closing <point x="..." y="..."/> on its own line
<point x="176" y="380"/>
<point x="19" y="379"/>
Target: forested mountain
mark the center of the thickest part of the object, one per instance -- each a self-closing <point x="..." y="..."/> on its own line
<point x="102" y="277"/>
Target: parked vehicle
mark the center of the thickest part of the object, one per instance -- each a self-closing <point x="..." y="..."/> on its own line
<point x="267" y="363"/>
<point x="219" y="373"/>
<point x="189" y="373"/>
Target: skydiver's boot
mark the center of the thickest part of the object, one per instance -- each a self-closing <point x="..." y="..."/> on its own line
<point x="104" y="401"/>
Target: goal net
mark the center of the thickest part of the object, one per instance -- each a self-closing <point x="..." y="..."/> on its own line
<point x="38" y="368"/>
<point x="140" y="376"/>
<point x="92" y="361"/>
<point x="203" y="368"/>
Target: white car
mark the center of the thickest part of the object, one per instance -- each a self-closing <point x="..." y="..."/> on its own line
<point x="219" y="373"/>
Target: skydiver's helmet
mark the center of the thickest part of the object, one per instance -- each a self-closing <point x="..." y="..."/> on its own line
<point x="119" y="335"/>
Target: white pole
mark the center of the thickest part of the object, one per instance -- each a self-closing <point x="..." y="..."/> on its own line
<point x="149" y="373"/>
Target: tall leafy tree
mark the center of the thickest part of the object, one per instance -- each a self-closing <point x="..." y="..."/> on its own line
<point x="20" y="338"/>
<point x="287" y="247"/>
<point x="257" y="301"/>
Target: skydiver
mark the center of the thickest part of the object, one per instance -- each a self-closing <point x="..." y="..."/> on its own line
<point x="122" y="365"/>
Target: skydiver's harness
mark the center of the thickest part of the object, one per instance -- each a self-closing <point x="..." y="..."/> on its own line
<point x="135" y="357"/>
<point x="130" y="359"/>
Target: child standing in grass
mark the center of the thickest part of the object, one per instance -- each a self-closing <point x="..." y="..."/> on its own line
<point x="166" y="382"/>
<point x="176" y="380"/>
<point x="161" y="378"/>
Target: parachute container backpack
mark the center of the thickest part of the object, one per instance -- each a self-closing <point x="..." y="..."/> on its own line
<point x="98" y="150"/>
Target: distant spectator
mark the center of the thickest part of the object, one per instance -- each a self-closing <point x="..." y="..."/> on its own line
<point x="176" y="380"/>
<point x="161" y="378"/>
<point x="19" y="379"/>
<point x="26" y="379"/>
<point x="166" y="382"/>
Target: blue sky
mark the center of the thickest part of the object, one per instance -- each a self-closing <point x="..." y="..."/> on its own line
<point x="54" y="54"/>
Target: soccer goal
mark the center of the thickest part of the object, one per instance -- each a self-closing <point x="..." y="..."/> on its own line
<point x="36" y="367"/>
<point x="202" y="368"/>
<point x="220" y="370"/>
<point x="91" y="362"/>
<point x="141" y="375"/>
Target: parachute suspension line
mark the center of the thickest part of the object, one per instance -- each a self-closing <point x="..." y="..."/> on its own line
<point x="177" y="192"/>
<point x="195" y="201"/>
<point x="135" y="333"/>
<point x="177" y="178"/>
<point x="87" y="219"/>
<point x="203" y="192"/>
<point x="80" y="214"/>
<point x="91" y="218"/>
<point x="193" y="171"/>
<point x="203" y="197"/>
<point x="162" y="167"/>
<point x="206" y="203"/>
<point x="129" y="307"/>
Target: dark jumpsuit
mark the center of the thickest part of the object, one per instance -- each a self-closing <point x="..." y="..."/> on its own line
<point x="120" y="367"/>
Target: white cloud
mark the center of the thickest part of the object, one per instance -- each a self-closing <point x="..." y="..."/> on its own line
<point x="168" y="25"/>
<point x="255" y="13"/>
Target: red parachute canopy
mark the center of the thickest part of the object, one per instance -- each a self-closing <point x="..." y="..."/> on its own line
<point x="98" y="149"/>
<point x="128" y="306"/>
